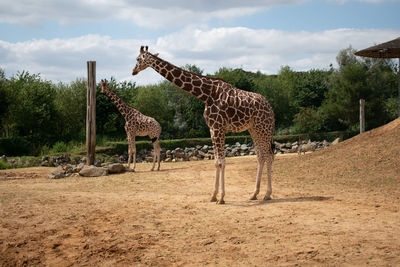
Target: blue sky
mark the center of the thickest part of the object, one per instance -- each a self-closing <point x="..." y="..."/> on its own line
<point x="56" y="37"/>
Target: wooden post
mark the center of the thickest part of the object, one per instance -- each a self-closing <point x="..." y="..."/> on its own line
<point x="362" y="115"/>
<point x="91" y="113"/>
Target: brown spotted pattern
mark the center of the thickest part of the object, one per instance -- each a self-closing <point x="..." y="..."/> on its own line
<point x="136" y="124"/>
<point x="227" y="109"/>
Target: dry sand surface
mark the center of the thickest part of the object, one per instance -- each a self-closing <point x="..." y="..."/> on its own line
<point x="336" y="207"/>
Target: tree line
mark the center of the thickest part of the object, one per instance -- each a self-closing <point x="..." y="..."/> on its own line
<point x="41" y="112"/>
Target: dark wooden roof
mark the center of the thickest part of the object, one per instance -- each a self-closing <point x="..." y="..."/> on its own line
<point x="389" y="49"/>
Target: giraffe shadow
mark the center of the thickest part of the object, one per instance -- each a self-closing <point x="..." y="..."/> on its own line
<point x="249" y="203"/>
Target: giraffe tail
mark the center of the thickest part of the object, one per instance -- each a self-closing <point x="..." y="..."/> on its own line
<point x="272" y="146"/>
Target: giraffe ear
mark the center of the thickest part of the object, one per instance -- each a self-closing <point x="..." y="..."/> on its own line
<point x="156" y="54"/>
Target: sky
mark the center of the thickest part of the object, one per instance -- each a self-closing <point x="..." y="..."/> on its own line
<point x="55" y="38"/>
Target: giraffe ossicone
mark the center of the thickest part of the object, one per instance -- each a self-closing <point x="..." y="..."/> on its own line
<point x="227" y="109"/>
<point x="136" y="124"/>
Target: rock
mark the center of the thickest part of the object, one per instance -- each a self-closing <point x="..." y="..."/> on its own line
<point x="294" y="149"/>
<point x="93" y="171"/>
<point x="115" y="168"/>
<point x="68" y="168"/>
<point x="45" y="163"/>
<point x="84" y="159"/>
<point x="57" y="173"/>
<point x="311" y="146"/>
<point x="325" y="143"/>
<point x="201" y="154"/>
<point x="336" y="141"/>
<point x="180" y="154"/>
<point x="244" y="148"/>
<point x="78" y="168"/>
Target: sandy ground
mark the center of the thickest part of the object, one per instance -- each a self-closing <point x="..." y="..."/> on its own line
<point x="329" y="208"/>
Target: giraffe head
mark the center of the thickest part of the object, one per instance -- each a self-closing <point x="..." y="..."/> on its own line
<point x="104" y="86"/>
<point x="143" y="60"/>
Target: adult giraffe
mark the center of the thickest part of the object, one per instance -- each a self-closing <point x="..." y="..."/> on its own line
<point x="136" y="124"/>
<point x="227" y="109"/>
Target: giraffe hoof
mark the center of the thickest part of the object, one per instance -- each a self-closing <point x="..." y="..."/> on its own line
<point x="221" y="202"/>
<point x="253" y="198"/>
<point x="267" y="198"/>
<point x="213" y="199"/>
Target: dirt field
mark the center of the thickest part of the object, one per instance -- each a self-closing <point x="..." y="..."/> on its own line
<point x="337" y="207"/>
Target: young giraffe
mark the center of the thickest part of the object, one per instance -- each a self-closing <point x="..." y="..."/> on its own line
<point x="227" y="109"/>
<point x="136" y="124"/>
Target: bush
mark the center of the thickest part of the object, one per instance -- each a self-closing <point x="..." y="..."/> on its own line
<point x="4" y="165"/>
<point x="59" y="147"/>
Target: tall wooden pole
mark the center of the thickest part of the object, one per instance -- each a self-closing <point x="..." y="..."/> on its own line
<point x="362" y="115"/>
<point x="91" y="113"/>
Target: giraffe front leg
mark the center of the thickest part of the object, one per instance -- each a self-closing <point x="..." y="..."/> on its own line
<point x="216" y="185"/>
<point x="219" y="180"/>
<point x="222" y="181"/>
<point x="218" y="139"/>
<point x="132" y="152"/>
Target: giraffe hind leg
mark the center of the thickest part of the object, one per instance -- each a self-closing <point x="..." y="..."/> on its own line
<point x="269" y="168"/>
<point x="260" y="166"/>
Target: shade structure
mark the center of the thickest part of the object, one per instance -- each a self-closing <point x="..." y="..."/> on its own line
<point x="389" y="49"/>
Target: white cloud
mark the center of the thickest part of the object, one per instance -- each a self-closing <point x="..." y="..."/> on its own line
<point x="209" y="49"/>
<point x="147" y="13"/>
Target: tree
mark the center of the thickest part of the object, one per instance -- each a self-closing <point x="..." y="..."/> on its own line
<point x="152" y="101"/>
<point x="237" y="77"/>
<point x="32" y="110"/>
<point x="356" y="78"/>
<point x="278" y="96"/>
<point x="71" y="109"/>
<point x="4" y="102"/>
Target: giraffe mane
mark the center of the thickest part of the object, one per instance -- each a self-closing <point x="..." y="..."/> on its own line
<point x="196" y="74"/>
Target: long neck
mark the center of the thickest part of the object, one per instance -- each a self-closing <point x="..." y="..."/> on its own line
<point x="121" y="105"/>
<point x="197" y="85"/>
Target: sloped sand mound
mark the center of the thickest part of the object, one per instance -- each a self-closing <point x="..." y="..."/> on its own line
<point x="368" y="159"/>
